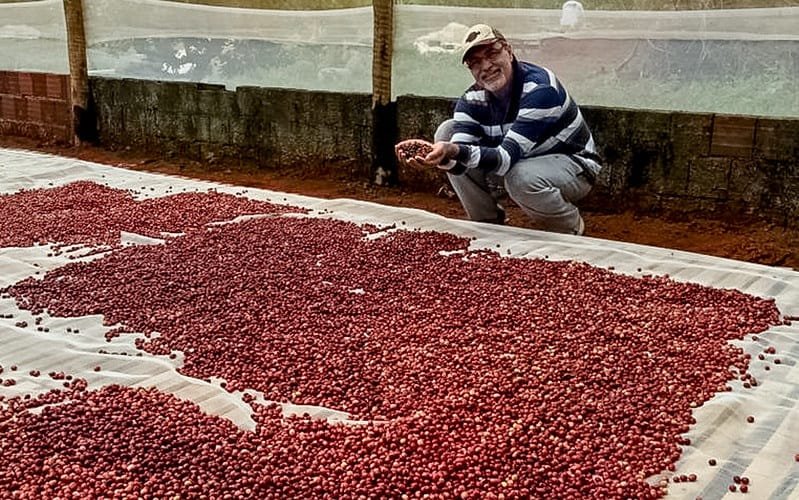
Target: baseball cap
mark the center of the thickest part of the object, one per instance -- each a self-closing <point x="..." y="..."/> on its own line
<point x="480" y="34"/>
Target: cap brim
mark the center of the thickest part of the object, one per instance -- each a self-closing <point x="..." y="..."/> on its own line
<point x="478" y="44"/>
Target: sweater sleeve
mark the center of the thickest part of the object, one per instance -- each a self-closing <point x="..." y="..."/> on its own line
<point x="469" y="132"/>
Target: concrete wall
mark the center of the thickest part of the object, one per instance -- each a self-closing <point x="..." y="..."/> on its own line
<point x="277" y="128"/>
<point x="724" y="166"/>
<point x="35" y="105"/>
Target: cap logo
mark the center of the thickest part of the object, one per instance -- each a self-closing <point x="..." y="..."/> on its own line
<point x="472" y="36"/>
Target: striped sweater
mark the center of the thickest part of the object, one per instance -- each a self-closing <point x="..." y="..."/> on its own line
<point x="541" y="119"/>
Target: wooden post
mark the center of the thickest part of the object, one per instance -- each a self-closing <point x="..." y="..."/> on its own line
<point x="384" y="112"/>
<point x="83" y="124"/>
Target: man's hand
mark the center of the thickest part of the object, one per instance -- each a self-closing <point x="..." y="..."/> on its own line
<point x="442" y="155"/>
<point x="421" y="154"/>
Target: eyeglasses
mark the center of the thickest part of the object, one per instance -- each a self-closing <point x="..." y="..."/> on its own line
<point x="491" y="54"/>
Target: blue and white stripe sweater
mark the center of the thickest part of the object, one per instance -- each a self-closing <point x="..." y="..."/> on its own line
<point x="542" y="119"/>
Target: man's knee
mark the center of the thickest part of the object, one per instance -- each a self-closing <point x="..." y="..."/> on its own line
<point x="445" y="131"/>
<point x="524" y="181"/>
<point x="534" y="179"/>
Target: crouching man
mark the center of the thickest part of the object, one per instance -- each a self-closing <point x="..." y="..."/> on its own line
<point x="515" y="131"/>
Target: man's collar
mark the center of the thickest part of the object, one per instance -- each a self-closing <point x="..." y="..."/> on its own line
<point x="518" y="78"/>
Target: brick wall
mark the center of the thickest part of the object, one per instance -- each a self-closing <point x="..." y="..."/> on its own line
<point x="35" y="105"/>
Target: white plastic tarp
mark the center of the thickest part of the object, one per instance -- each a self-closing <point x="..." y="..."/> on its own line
<point x="762" y="452"/>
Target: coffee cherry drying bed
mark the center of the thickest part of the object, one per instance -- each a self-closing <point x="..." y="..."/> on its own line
<point x="165" y="336"/>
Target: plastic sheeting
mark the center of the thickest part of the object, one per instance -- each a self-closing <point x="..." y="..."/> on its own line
<point x="33" y="37"/>
<point x="763" y="452"/>
<point x="734" y="61"/>
<point x="158" y="40"/>
<point x="699" y="61"/>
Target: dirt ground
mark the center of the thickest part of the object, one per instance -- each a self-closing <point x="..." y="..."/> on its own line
<point x="750" y="241"/>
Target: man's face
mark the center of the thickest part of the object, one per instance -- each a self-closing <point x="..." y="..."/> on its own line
<point x="491" y="66"/>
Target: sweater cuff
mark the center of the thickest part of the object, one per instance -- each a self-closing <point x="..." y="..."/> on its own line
<point x="464" y="153"/>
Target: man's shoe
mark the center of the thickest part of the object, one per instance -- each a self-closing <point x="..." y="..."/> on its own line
<point x="580" y="227"/>
<point x="500" y="220"/>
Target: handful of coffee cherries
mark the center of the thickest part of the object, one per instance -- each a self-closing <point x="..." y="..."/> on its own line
<point x="413" y="148"/>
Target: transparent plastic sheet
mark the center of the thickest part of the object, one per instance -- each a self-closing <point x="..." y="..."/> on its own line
<point x="739" y="61"/>
<point x="762" y="451"/>
<point x="33" y="37"/>
<point x="162" y="40"/>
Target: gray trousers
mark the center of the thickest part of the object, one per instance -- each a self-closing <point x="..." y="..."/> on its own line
<point x="544" y="187"/>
